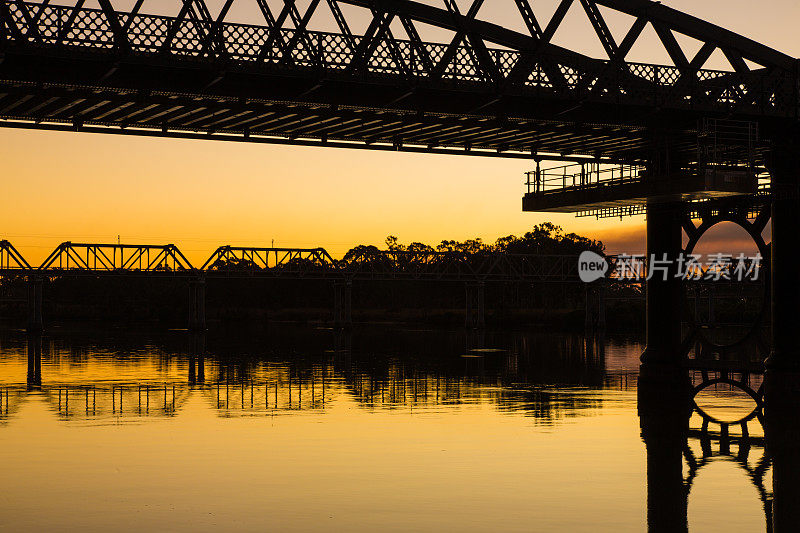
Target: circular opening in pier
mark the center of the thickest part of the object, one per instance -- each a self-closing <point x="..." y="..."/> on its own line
<point x="725" y="403"/>
<point x="727" y="238"/>
<point x="726" y="300"/>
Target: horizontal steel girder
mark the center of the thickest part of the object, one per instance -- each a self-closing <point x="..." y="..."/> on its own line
<point x="519" y="97"/>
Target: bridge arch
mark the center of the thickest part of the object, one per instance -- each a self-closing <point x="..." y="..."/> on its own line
<point x="753" y="220"/>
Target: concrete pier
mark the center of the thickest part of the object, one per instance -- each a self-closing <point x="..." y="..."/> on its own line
<point x="342" y="304"/>
<point x="784" y="167"/>
<point x="35" y="315"/>
<point x="475" y="309"/>
<point x="664" y="246"/>
<point x="197" y="305"/>
<point x="782" y="432"/>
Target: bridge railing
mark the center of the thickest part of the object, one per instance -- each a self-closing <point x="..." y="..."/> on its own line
<point x="116" y="258"/>
<point x="586" y="175"/>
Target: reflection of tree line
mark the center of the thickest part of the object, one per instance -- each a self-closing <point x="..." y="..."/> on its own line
<point x="436" y="373"/>
<point x="442" y="371"/>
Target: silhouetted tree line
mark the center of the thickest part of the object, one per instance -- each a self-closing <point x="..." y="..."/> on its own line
<point x="164" y="300"/>
<point x="543" y="239"/>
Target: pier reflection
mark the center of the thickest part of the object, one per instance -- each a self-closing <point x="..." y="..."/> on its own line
<point x="682" y="438"/>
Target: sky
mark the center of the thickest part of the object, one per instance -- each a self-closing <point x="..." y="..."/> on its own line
<point x="63" y="186"/>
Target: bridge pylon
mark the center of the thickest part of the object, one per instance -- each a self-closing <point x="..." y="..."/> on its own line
<point x="783" y="163"/>
<point x="343" y="304"/>
<point x="663" y="307"/>
<point x="197" y="348"/>
<point x="197" y="305"/>
<point x="595" y="318"/>
<point x="34" y="348"/>
<point x="782" y="431"/>
<point x="35" y="315"/>
<point x="475" y="310"/>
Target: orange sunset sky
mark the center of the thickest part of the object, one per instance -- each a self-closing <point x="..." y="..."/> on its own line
<point x="201" y="194"/>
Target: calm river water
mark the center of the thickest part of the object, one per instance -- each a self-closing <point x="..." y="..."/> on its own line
<point x="384" y="429"/>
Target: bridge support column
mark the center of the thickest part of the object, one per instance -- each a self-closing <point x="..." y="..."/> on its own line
<point x="782" y="431"/>
<point x="197" y="305"/>
<point x="343" y="304"/>
<point x="784" y="168"/>
<point x="35" y="320"/>
<point x="664" y="246"/>
<point x="34" y="348"/>
<point x="192" y="369"/>
<point x="595" y="323"/>
<point x="196" y="363"/>
<point x="664" y="411"/>
<point x="475" y="306"/>
<point x="343" y="343"/>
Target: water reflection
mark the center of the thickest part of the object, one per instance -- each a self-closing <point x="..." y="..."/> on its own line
<point x="250" y="376"/>
<point x="765" y="437"/>
<point x="539" y="424"/>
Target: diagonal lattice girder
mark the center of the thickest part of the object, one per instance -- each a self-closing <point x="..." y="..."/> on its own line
<point x="703" y="31"/>
<point x="83" y="257"/>
<point x="486" y="71"/>
<point x="663" y="19"/>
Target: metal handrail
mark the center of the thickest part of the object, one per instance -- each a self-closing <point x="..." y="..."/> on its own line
<point x="581" y="176"/>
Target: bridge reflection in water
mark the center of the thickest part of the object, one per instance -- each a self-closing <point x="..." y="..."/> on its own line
<point x="683" y="433"/>
<point x="668" y="418"/>
<point x="236" y="387"/>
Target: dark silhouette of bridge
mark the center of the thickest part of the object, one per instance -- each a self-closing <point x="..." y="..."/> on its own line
<point x="279" y="78"/>
<point x="92" y="259"/>
<point x="691" y="143"/>
<point x="89" y="260"/>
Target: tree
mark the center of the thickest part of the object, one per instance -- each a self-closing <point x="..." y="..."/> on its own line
<point x="470" y="246"/>
<point x="547" y="239"/>
<point x="393" y="245"/>
<point x="361" y="250"/>
<point x="419" y="248"/>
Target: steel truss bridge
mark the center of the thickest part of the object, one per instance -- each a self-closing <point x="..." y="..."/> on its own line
<point x="87" y="259"/>
<point x="315" y="75"/>
<point x="474" y="270"/>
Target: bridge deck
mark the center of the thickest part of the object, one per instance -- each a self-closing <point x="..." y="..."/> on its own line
<point x="496" y="92"/>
